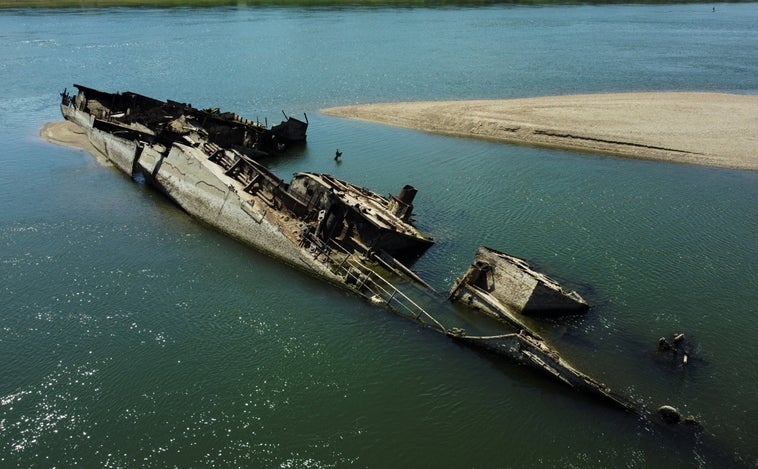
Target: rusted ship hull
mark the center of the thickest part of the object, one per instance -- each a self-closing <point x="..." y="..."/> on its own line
<point x="119" y="150"/>
<point x="291" y="129"/>
<point x="228" y="190"/>
<point x="172" y="120"/>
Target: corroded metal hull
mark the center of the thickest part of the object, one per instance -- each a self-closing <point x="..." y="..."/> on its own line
<point x="229" y="191"/>
<point x="203" y="190"/>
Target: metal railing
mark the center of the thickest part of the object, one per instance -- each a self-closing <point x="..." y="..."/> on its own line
<point x="367" y="282"/>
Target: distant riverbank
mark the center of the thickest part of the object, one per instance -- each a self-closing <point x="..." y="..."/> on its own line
<point x="712" y="129"/>
<point x="216" y="3"/>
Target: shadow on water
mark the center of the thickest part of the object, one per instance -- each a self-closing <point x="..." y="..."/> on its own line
<point x="294" y="153"/>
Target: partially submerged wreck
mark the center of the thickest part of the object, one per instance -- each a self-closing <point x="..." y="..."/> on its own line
<point x="316" y="222"/>
<point x="206" y="162"/>
<point x="505" y="287"/>
<point x="152" y="120"/>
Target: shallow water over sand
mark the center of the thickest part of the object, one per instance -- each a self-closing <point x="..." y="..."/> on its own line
<point x="136" y="336"/>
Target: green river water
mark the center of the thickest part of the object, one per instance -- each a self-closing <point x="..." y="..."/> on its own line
<point x="134" y="336"/>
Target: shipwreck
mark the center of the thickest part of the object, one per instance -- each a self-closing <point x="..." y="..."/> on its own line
<point x="506" y="287"/>
<point x="207" y="162"/>
<point x="134" y="115"/>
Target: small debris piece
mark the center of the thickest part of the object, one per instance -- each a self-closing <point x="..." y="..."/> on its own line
<point x="669" y="414"/>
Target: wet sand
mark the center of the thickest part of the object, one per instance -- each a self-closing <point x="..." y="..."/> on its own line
<point x="71" y="135"/>
<point x="712" y="129"/>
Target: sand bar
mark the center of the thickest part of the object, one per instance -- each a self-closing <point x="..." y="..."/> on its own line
<point x="713" y="129"/>
<point x="71" y="135"/>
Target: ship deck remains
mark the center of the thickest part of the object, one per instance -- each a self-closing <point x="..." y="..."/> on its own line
<point x="345" y="234"/>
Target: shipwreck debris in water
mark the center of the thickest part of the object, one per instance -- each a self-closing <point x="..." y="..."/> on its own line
<point x="206" y="162"/>
<point x="679" y="350"/>
<point x="504" y="287"/>
<point x="531" y="350"/>
<point x="165" y="121"/>
<point x="501" y="285"/>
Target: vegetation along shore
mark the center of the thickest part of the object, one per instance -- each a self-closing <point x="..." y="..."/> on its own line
<point x="215" y="3"/>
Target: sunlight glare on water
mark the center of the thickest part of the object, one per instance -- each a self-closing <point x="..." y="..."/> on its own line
<point x="134" y="336"/>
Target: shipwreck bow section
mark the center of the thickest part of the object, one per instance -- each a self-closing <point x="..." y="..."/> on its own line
<point x="207" y="162"/>
<point x="165" y="121"/>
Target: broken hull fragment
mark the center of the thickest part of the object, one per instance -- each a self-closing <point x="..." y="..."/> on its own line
<point x="532" y="351"/>
<point x="505" y="286"/>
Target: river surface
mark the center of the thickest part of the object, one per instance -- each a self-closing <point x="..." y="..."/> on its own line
<point x="134" y="336"/>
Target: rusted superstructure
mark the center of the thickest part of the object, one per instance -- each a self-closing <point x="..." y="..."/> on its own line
<point x="316" y="222"/>
<point x="166" y="121"/>
<point x="350" y="236"/>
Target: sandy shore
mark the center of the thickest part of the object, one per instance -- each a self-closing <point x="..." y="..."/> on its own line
<point x="711" y="129"/>
<point x="71" y="135"/>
